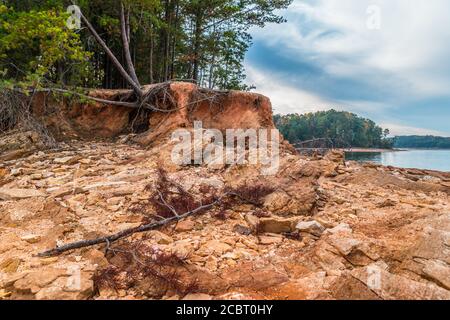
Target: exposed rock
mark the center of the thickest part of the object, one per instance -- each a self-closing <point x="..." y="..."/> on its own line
<point x="34" y="281"/>
<point x="252" y="221"/>
<point x="387" y="203"/>
<point x="160" y="238"/>
<point x="10" y="265"/>
<point x="312" y="227"/>
<point x="197" y="296"/>
<point x="4" y="294"/>
<point x="394" y="287"/>
<point x="99" y="188"/>
<point x="335" y="156"/>
<point x="438" y="271"/>
<point x="17" y="194"/>
<point x="213" y="247"/>
<point x="267" y="240"/>
<point x="31" y="238"/>
<point x="341" y="228"/>
<point x="17" y="144"/>
<point x="277" y="225"/>
<point x="344" y="245"/>
<point x="240" y="229"/>
<point x="185" y="226"/>
<point x="276" y="201"/>
<point x="183" y="248"/>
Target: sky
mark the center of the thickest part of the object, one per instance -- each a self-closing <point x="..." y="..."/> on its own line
<point x="387" y="60"/>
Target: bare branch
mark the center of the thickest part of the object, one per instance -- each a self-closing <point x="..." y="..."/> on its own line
<point x="104" y="101"/>
<point x="128" y="232"/>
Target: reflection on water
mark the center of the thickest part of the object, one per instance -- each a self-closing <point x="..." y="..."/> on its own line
<point x="413" y="158"/>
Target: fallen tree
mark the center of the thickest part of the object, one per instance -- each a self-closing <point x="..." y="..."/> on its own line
<point x="126" y="233"/>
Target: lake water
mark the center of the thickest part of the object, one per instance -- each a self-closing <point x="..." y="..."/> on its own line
<point x="411" y="158"/>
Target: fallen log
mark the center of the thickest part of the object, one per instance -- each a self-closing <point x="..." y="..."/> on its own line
<point x="126" y="233"/>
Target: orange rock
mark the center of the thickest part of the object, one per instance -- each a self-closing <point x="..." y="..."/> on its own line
<point x="185" y="226"/>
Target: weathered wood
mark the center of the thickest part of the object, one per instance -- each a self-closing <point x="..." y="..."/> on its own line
<point x="125" y="233"/>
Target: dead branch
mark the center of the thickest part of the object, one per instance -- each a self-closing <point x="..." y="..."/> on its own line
<point x="15" y="112"/>
<point x="167" y="209"/>
<point x="63" y="91"/>
<point x="128" y="232"/>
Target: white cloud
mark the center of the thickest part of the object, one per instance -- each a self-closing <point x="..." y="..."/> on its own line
<point x="405" y="63"/>
<point x="412" y="43"/>
<point x="401" y="130"/>
<point x="285" y="99"/>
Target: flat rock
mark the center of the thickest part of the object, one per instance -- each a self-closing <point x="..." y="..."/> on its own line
<point x="390" y="286"/>
<point x="311" y="227"/>
<point x="185" y="226"/>
<point x="277" y="225"/>
<point x="344" y="245"/>
<point x="438" y="271"/>
<point x="269" y="240"/>
<point x="214" y="247"/>
<point x="18" y="194"/>
<point x="31" y="238"/>
<point x="341" y="228"/>
<point x="63" y="160"/>
<point x="252" y="220"/>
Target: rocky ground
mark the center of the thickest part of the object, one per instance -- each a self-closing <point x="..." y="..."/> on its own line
<point x="327" y="230"/>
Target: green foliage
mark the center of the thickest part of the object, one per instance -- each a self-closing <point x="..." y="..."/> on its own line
<point x="425" y="142"/>
<point x="201" y="40"/>
<point x="342" y="126"/>
<point x="37" y="47"/>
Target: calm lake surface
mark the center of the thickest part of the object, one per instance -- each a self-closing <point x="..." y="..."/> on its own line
<point x="411" y="158"/>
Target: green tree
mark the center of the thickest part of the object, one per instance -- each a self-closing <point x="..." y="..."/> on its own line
<point x="37" y="47"/>
<point x="200" y="40"/>
<point x="345" y="128"/>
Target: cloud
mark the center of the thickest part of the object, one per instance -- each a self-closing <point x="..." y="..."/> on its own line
<point x="285" y="99"/>
<point x="400" y="130"/>
<point x="326" y="55"/>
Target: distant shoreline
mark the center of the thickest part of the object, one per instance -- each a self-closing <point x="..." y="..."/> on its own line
<point x="370" y="150"/>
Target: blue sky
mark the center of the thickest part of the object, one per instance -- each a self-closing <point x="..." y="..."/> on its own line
<point x="388" y="60"/>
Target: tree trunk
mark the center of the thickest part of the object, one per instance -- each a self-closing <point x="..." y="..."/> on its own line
<point x="136" y="87"/>
<point x="125" y="32"/>
<point x="174" y="42"/>
<point x="152" y="46"/>
<point x="197" y="36"/>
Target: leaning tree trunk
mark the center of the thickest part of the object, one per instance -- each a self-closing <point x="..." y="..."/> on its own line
<point x="135" y="85"/>
<point x="125" y="32"/>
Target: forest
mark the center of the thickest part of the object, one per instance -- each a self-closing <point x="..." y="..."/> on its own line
<point x="126" y="44"/>
<point x="347" y="129"/>
<point x="426" y="142"/>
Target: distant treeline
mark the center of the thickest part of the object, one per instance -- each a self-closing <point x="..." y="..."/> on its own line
<point x="429" y="142"/>
<point x="346" y="128"/>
